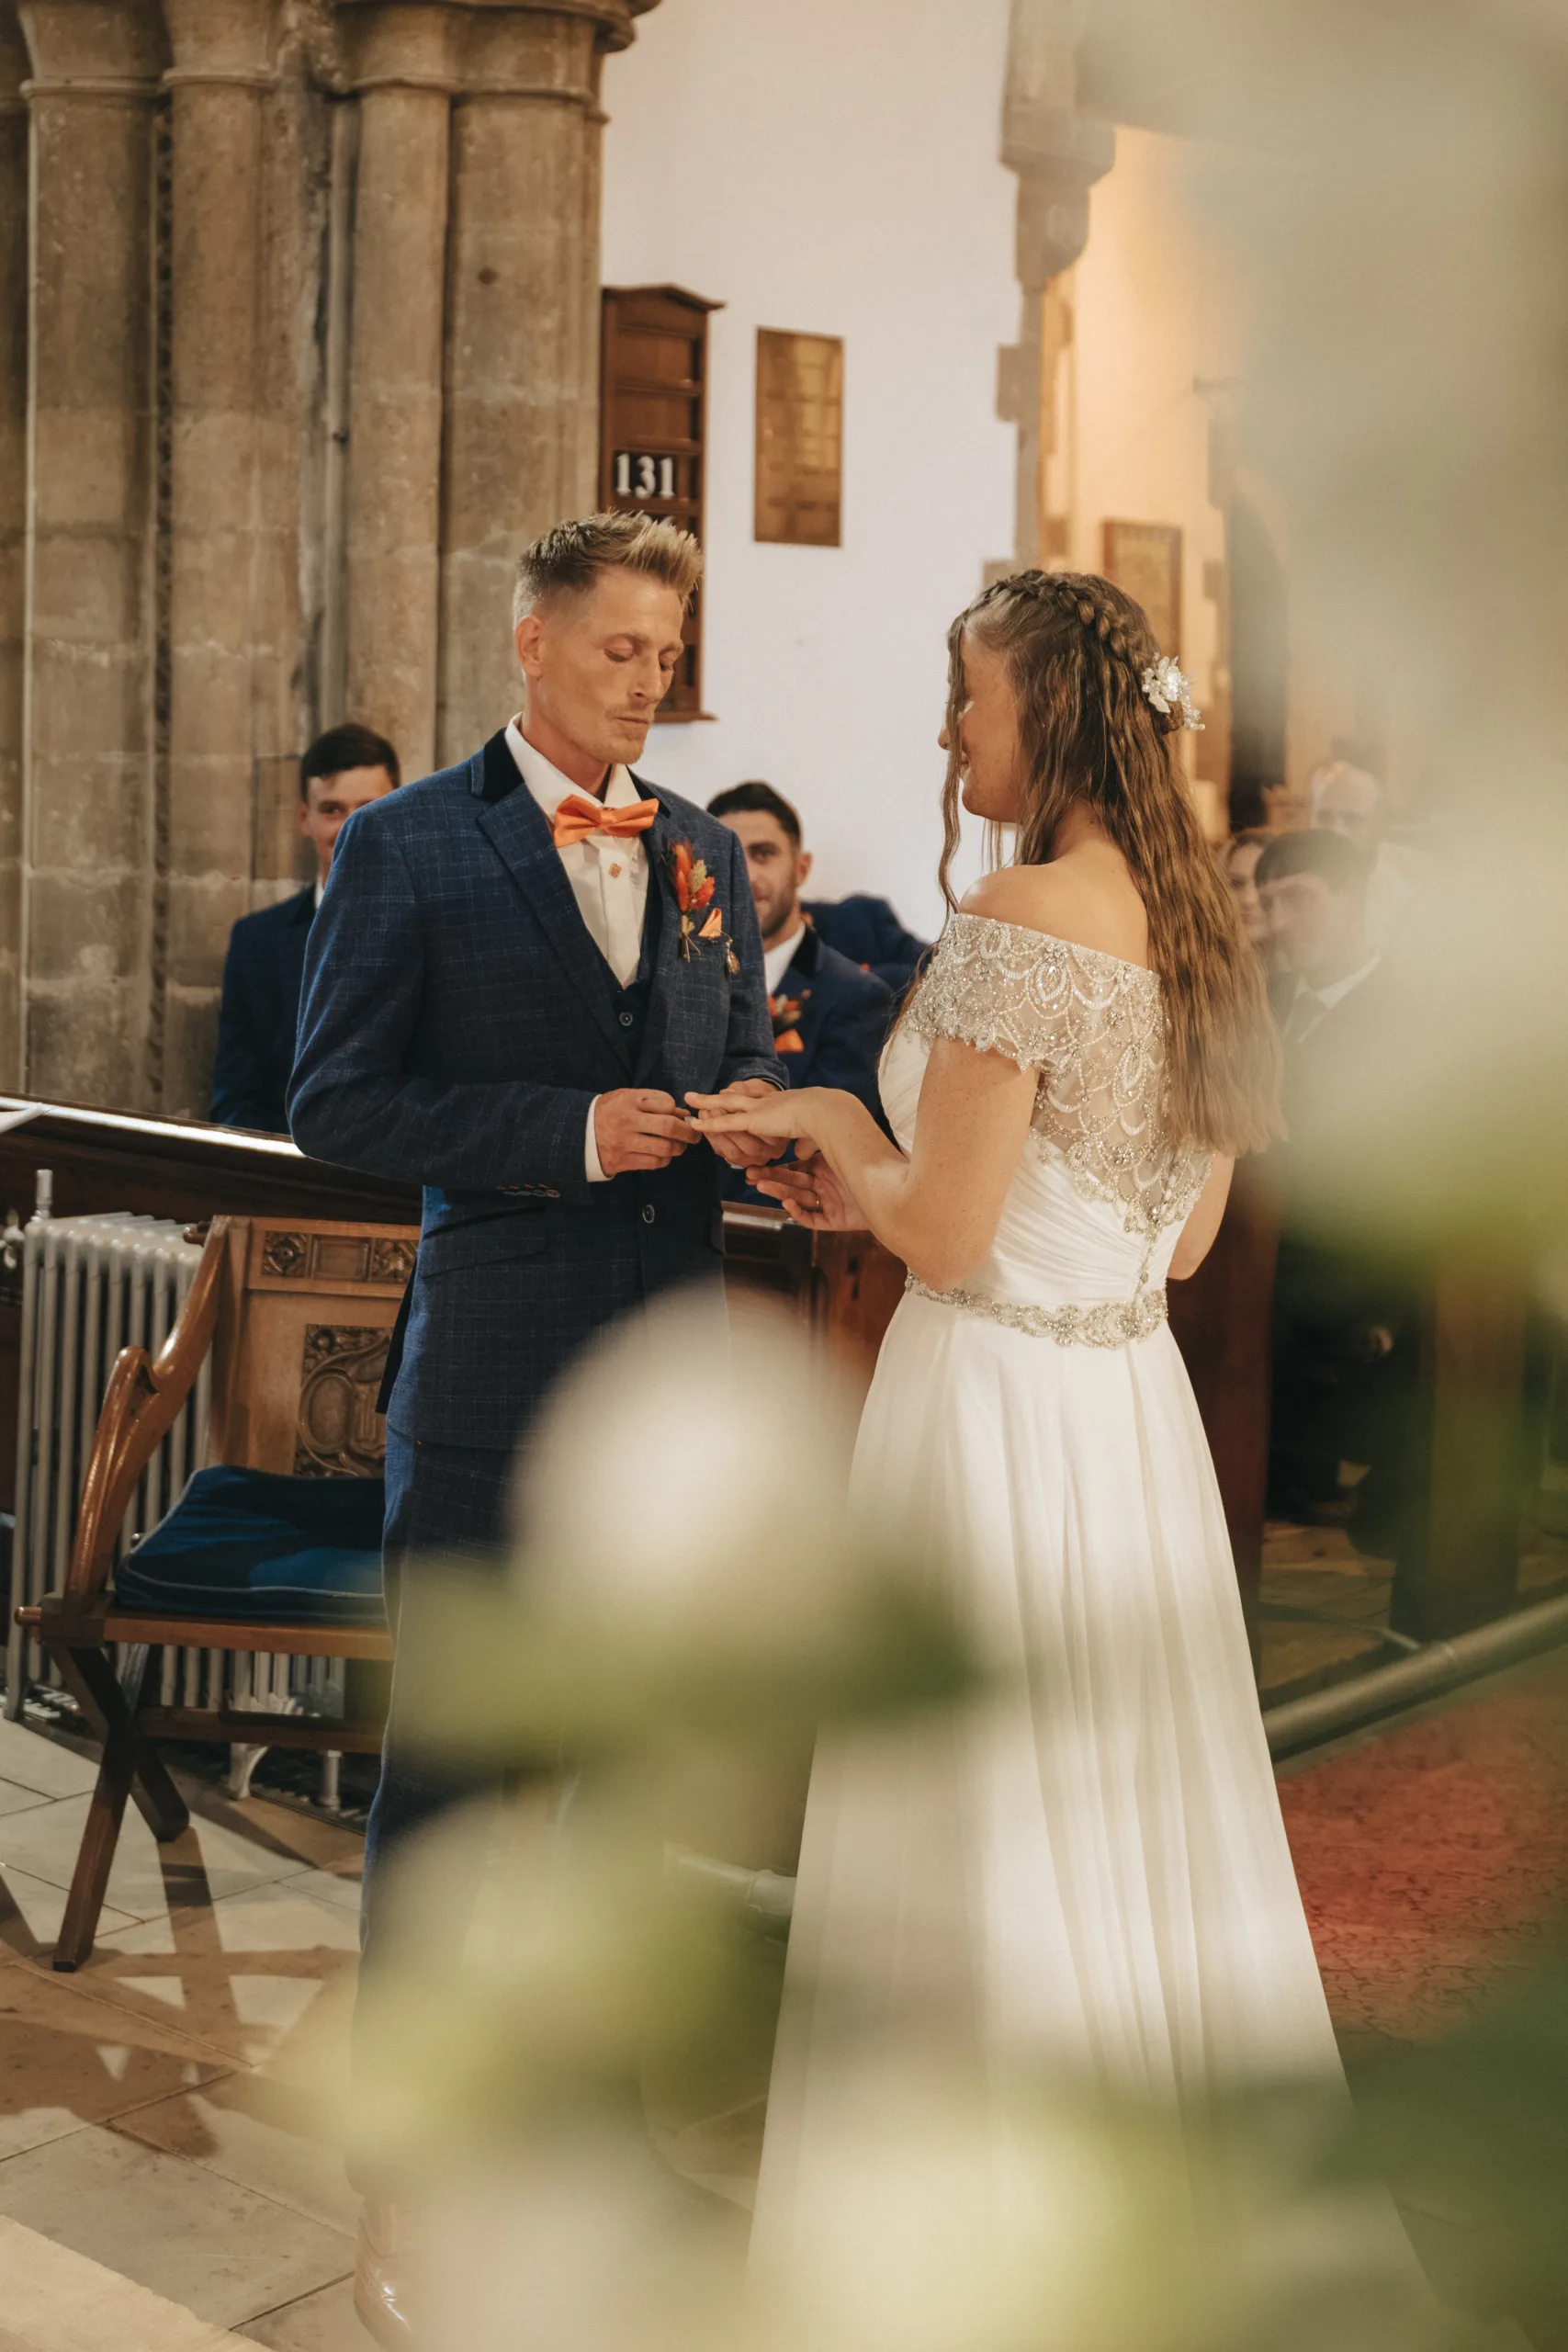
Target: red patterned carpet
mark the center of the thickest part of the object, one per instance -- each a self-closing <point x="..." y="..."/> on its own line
<point x="1434" y="1858"/>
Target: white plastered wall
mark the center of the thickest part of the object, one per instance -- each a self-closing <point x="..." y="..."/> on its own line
<point x="831" y="168"/>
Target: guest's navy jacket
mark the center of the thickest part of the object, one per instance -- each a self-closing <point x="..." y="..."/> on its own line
<point x="830" y="1024"/>
<point x="260" y="1013"/>
<point x="843" y="1025"/>
<point x="867" y="930"/>
<point x="458" y="1021"/>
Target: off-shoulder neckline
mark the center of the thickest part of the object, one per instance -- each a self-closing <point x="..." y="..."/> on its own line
<point x="1054" y="939"/>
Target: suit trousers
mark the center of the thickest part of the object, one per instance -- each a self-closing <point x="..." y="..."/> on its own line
<point x="441" y="1500"/>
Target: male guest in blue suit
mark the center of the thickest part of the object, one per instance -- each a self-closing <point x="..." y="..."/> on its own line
<point x="341" y="771"/>
<point x="504" y="1003"/>
<point x="867" y="930"/>
<point x="830" y="1018"/>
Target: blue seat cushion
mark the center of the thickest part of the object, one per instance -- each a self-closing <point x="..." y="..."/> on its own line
<point x="247" y="1544"/>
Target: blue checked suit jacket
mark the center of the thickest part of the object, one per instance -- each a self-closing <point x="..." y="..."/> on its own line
<point x="260" y="1012"/>
<point x="457" y="1023"/>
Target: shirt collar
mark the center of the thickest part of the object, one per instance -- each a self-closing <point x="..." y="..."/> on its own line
<point x="1338" y="989"/>
<point x="777" y="960"/>
<point x="548" y="785"/>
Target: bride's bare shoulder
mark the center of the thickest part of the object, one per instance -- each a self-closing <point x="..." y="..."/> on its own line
<point x="1064" y="902"/>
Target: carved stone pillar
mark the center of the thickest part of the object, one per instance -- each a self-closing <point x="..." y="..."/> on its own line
<point x="13" y="523"/>
<point x="219" y="82"/>
<point x="402" y="62"/>
<point x="88" y="749"/>
<point x="522" y="341"/>
<point x="1058" y="154"/>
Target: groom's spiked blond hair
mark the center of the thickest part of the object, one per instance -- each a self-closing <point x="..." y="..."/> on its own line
<point x="567" y="560"/>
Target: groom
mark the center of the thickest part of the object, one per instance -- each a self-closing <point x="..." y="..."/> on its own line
<point x="505" y="1002"/>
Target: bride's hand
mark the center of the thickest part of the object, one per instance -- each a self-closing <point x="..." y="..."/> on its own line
<point x="776" y="1115"/>
<point x="813" y="1196"/>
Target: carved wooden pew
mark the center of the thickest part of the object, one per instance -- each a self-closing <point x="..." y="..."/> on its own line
<point x="275" y="1549"/>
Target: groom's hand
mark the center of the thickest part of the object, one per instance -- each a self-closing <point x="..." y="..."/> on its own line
<point x="745" y="1150"/>
<point x="636" y="1126"/>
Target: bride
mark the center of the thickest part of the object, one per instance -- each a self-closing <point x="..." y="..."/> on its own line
<point x="1098" y="1857"/>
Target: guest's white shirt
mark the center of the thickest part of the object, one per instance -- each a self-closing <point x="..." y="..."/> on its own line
<point x="608" y="879"/>
<point x="321" y="885"/>
<point x="777" y="960"/>
<point x="1309" y="1006"/>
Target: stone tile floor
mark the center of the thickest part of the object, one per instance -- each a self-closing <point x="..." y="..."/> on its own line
<point x="171" y="2111"/>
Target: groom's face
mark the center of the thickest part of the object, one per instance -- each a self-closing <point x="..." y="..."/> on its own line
<point x="599" y="665"/>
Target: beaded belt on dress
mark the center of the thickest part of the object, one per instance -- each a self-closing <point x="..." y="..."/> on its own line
<point x="1109" y="1324"/>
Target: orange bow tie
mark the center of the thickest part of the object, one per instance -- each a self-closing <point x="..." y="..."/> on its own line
<point x="577" y="817"/>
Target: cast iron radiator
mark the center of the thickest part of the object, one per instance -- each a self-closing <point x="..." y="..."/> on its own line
<point x="91" y="1286"/>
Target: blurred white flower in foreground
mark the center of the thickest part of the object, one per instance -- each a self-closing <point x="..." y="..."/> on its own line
<point x="939" y="2222"/>
<point x="692" y="1476"/>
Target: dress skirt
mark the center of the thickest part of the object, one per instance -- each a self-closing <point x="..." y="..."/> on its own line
<point x="1087" y="1865"/>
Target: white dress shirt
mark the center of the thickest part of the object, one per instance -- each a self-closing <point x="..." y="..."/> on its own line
<point x="777" y="960"/>
<point x="608" y="879"/>
<point x="1308" y="1006"/>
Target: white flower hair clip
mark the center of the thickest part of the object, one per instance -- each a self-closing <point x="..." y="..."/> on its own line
<point x="1166" y="688"/>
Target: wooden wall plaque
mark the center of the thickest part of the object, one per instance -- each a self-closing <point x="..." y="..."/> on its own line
<point x="652" y="426"/>
<point x="1145" y="558"/>
<point x="800" y="438"/>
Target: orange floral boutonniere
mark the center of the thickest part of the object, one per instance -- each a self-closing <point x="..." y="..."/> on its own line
<point x="694" y="886"/>
<point x="785" y="1013"/>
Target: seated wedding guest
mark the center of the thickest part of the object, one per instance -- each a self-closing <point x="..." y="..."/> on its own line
<point x="867" y="930"/>
<point x="1348" y="1307"/>
<point x="1239" y="861"/>
<point x="830" y="1018"/>
<point x="261" y="974"/>
<point x="1349" y="800"/>
<point x="1311" y="894"/>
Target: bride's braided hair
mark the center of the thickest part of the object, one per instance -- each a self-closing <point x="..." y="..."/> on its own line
<point x="1077" y="648"/>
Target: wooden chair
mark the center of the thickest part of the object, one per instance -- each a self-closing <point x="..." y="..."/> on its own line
<point x="296" y="1315"/>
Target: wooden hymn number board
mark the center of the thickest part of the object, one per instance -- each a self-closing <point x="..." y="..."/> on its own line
<point x="653" y="416"/>
<point x="800" y="438"/>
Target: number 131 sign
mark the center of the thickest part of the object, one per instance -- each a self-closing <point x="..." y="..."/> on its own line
<point x="636" y="474"/>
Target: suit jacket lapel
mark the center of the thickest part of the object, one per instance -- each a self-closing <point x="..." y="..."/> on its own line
<point x="519" y="831"/>
<point x="668" y="972"/>
<point x="296" y="939"/>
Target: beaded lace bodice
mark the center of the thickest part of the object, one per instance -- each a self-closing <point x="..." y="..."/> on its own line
<point x="1094" y="1026"/>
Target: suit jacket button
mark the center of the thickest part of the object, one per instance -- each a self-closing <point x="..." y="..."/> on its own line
<point x="648" y="1211"/>
<point x="625" y="1021"/>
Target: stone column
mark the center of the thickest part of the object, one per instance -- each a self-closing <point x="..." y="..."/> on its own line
<point x="1058" y="154"/>
<point x="402" y="61"/>
<point x="521" y="350"/>
<point x="13" y="524"/>
<point x="223" y="73"/>
<point x="87" y="749"/>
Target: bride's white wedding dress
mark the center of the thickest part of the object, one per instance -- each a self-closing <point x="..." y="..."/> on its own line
<point x="1094" y="1861"/>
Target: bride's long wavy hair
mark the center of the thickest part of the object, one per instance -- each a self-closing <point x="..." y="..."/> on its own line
<point x="1077" y="648"/>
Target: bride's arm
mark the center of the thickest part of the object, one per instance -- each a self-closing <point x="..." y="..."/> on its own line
<point x="1197" y="1235"/>
<point x="939" y="1209"/>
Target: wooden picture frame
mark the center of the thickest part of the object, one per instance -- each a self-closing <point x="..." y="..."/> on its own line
<point x="799" y="490"/>
<point x="653" y="372"/>
<point x="1145" y="561"/>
